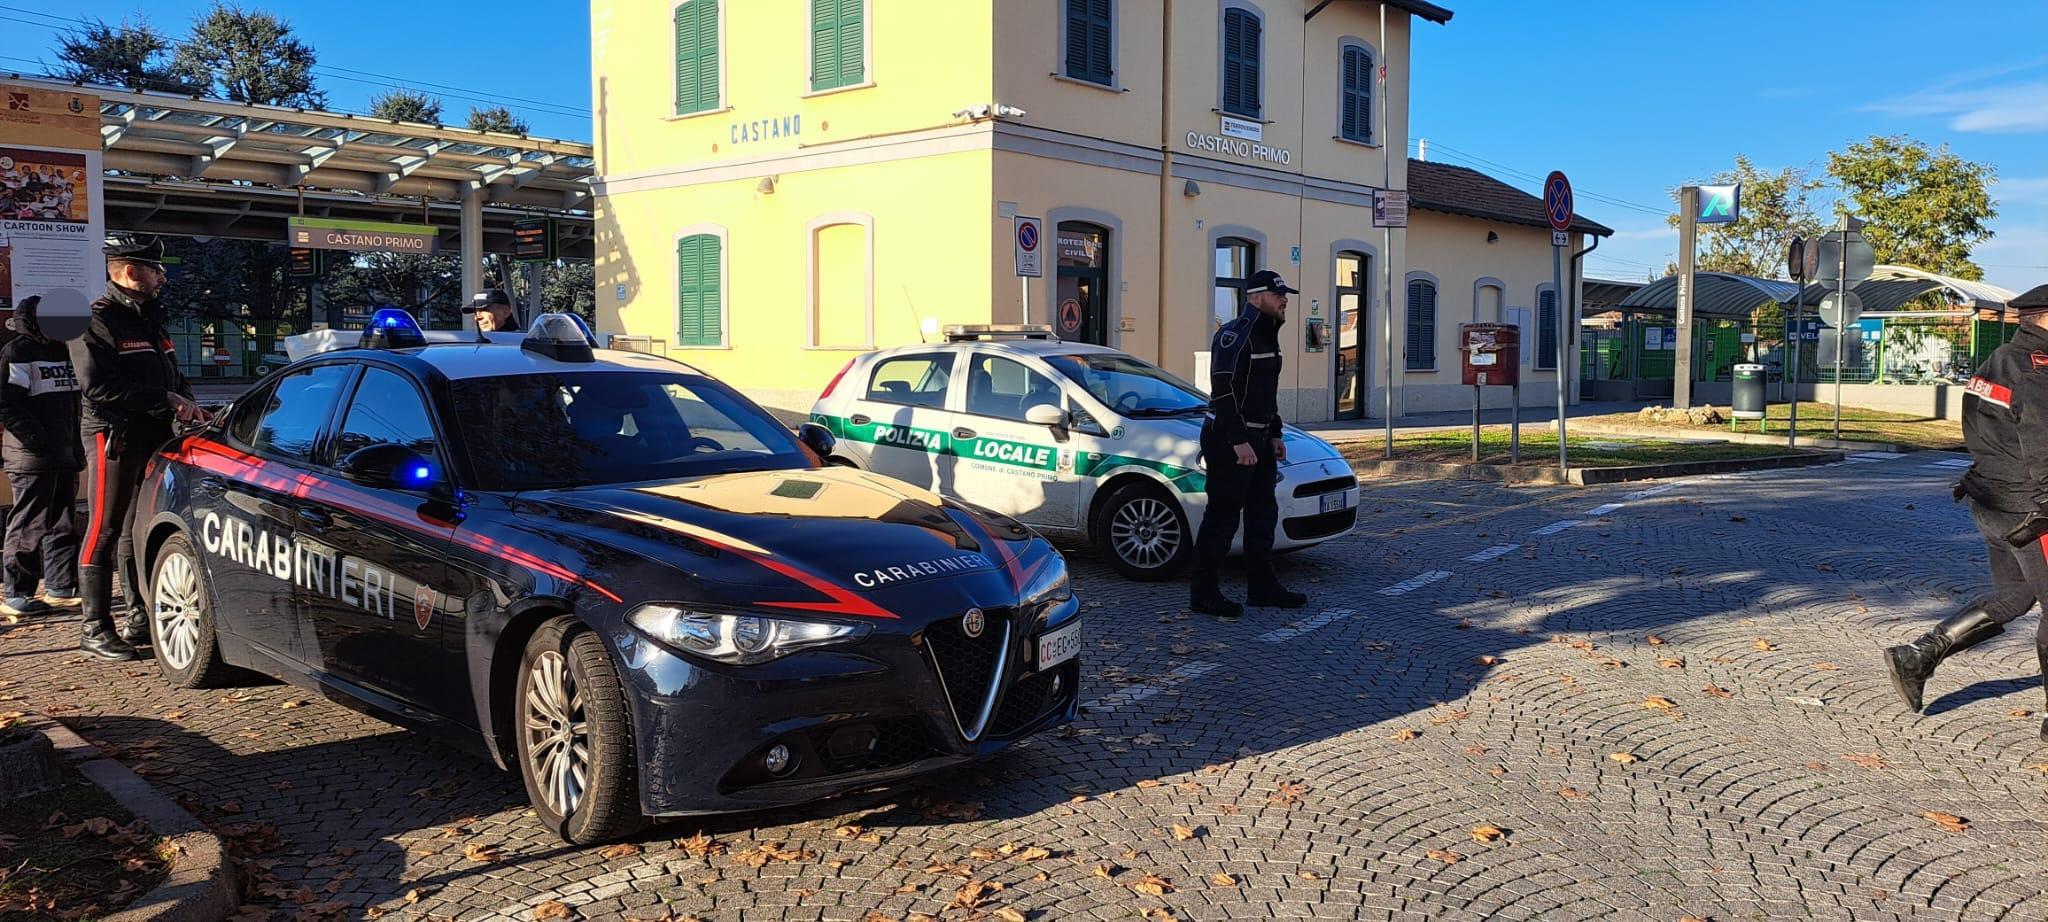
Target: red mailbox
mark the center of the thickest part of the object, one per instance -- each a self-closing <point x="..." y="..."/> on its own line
<point x="1490" y="353"/>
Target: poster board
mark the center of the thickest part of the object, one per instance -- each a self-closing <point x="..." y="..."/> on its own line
<point x="52" y="207"/>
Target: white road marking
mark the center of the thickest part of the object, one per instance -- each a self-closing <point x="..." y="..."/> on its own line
<point x="1656" y="490"/>
<point x="1876" y="456"/>
<point x="1603" y="510"/>
<point x="1555" y="527"/>
<point x="1950" y="462"/>
<point x="1492" y="552"/>
<point x="1415" y="582"/>
<point x="1136" y="693"/>
<point x="1306" y="625"/>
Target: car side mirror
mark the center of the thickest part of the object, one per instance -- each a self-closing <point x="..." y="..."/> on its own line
<point x="389" y="466"/>
<point x="817" y="438"/>
<point x="1046" y="414"/>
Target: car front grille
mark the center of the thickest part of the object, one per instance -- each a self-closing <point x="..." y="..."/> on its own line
<point x="1311" y="527"/>
<point x="1032" y="698"/>
<point x="967" y="666"/>
<point x="1329" y="485"/>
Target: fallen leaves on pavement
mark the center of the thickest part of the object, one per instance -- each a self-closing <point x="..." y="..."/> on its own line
<point x="1486" y="833"/>
<point x="1948" y="821"/>
<point x="1716" y="691"/>
<point x="1153" y="885"/>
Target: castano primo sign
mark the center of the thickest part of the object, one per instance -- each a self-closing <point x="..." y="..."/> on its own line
<point x="1238" y="147"/>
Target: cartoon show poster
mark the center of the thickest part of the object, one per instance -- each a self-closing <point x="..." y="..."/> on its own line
<point x="52" y="216"/>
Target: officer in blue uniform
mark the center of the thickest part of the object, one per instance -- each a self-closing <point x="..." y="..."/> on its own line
<point x="2005" y="426"/>
<point x="1242" y="450"/>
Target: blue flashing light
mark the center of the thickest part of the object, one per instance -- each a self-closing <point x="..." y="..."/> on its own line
<point x="392" y="328"/>
<point x="416" y="474"/>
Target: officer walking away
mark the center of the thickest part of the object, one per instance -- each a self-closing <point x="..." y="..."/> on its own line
<point x="2005" y="426"/>
<point x="1242" y="449"/>
<point x="40" y="452"/>
<point x="128" y="372"/>
<point x="493" y="310"/>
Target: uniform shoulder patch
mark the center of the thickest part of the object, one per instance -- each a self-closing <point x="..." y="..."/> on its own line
<point x="1227" y="339"/>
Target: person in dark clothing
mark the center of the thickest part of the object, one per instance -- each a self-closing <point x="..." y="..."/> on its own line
<point x="494" y="312"/>
<point x="2005" y="426"/>
<point x="134" y="392"/>
<point x="1243" y="450"/>
<point x="40" y="451"/>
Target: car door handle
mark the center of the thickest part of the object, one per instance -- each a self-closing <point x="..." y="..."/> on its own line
<point x="963" y="433"/>
<point x="861" y="419"/>
<point x="316" y="519"/>
<point x="213" y="486"/>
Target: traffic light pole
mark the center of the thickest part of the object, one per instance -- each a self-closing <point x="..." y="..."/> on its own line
<point x="1841" y="329"/>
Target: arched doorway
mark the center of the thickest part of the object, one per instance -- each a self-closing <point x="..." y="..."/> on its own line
<point x="1081" y="304"/>
<point x="1351" y="378"/>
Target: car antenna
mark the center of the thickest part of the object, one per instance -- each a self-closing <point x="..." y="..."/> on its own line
<point x="914" y="315"/>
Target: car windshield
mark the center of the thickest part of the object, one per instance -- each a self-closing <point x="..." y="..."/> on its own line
<point x="564" y="430"/>
<point x="1130" y="386"/>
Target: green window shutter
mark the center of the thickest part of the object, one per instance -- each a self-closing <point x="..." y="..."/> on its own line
<point x="698" y="320"/>
<point x="838" y="43"/>
<point x="696" y="56"/>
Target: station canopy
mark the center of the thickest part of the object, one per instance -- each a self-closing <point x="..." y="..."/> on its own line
<point x="187" y="166"/>
<point x="1727" y="296"/>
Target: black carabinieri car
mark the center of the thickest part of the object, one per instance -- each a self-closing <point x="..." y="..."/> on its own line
<point x="620" y="576"/>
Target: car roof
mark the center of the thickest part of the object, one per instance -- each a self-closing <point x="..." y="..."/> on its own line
<point x="458" y="361"/>
<point x="1036" y="347"/>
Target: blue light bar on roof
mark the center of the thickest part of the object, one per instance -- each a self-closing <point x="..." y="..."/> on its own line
<point x="392" y="328"/>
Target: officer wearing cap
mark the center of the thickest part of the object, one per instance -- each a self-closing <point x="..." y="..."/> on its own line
<point x="493" y="310"/>
<point x="2005" y="426"/>
<point x="128" y="373"/>
<point x="1242" y="449"/>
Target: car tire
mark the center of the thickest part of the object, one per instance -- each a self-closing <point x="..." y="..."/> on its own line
<point x="1142" y="531"/>
<point x="566" y="680"/>
<point x="181" y="623"/>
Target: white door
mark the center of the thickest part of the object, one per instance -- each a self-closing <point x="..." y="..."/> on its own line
<point x="1005" y="463"/>
<point x="901" y="417"/>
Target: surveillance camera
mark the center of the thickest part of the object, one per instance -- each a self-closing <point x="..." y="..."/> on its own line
<point x="1009" y="112"/>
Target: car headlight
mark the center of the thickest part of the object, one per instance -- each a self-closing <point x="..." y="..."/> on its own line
<point x="1049" y="584"/>
<point x="740" y="639"/>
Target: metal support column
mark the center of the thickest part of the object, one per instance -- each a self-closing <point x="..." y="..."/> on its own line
<point x="472" y="230"/>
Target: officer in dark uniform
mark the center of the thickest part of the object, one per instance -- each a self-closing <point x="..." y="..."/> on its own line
<point x="134" y="393"/>
<point x="39" y="408"/>
<point x="2005" y="425"/>
<point x="493" y="310"/>
<point x="1242" y="450"/>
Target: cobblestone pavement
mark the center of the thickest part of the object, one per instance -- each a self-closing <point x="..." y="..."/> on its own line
<point x="1664" y="696"/>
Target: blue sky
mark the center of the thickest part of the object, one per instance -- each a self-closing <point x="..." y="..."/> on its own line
<point x="1630" y="99"/>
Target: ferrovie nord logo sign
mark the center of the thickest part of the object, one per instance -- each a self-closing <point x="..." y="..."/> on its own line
<point x="17" y="101"/>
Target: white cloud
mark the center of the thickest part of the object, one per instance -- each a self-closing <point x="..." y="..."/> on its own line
<point x="2021" y="190"/>
<point x="1978" y="101"/>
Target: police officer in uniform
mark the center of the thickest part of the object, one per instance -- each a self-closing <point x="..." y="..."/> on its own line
<point x="493" y="310"/>
<point x="1242" y="451"/>
<point x="39" y="408"/>
<point x="134" y="393"/>
<point x="2005" y="425"/>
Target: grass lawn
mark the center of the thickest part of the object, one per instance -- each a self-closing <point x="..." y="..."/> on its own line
<point x="1817" y="420"/>
<point x="71" y="853"/>
<point x="1539" y="449"/>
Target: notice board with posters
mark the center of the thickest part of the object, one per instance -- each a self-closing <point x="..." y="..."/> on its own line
<point x="52" y="214"/>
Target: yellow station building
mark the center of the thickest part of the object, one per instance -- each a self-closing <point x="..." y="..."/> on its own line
<point x="784" y="184"/>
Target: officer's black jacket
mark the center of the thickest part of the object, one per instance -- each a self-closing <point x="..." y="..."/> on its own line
<point x="38" y="405"/>
<point x="2005" y="425"/>
<point x="1244" y="377"/>
<point x="127" y="367"/>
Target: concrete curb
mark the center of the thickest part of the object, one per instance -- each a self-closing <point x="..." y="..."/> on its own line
<point x="1740" y="438"/>
<point x="201" y="886"/>
<point x="1584" y="476"/>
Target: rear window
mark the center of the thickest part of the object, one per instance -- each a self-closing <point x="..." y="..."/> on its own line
<point x="912" y="380"/>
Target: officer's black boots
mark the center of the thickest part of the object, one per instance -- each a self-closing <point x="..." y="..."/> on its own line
<point x="1206" y="597"/>
<point x="1912" y="663"/>
<point x="1265" y="590"/>
<point x="97" y="635"/>
<point x="135" y="626"/>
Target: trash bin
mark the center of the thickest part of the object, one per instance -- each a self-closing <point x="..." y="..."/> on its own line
<point x="1748" y="401"/>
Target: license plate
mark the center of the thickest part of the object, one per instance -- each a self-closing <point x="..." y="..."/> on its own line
<point x="1336" y="502"/>
<point x="1059" y="646"/>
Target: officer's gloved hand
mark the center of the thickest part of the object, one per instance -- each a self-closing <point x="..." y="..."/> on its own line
<point x="2029" y="530"/>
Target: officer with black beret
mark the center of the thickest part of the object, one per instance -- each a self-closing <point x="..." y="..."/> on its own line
<point x="2005" y="426"/>
<point x="1242" y="450"/>
<point x="134" y="393"/>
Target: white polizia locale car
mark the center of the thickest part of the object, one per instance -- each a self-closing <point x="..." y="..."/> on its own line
<point x="1068" y="438"/>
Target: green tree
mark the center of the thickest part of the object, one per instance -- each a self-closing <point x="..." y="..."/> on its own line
<point x="571" y="286"/>
<point x="1922" y="207"/>
<point x="496" y="118"/>
<point x="241" y="281"/>
<point x="407" y="106"/>
<point x="132" y="54"/>
<point x="1775" y="208"/>
<point x="249" y="56"/>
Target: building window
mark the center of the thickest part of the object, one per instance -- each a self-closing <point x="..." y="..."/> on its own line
<point x="696" y="56"/>
<point x="1546" y="327"/>
<point x="1421" y="325"/>
<point x="1236" y="258"/>
<point x="838" y="44"/>
<point x="1243" y="43"/>
<point x="1355" y="121"/>
<point x="842" y="285"/>
<point x="700" y="286"/>
<point x="1089" y="36"/>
